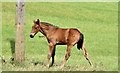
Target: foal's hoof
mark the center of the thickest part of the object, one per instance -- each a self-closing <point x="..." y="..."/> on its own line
<point x="61" y="66"/>
<point x="48" y="66"/>
<point x="91" y="64"/>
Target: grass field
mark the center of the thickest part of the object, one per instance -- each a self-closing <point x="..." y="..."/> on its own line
<point x="97" y="21"/>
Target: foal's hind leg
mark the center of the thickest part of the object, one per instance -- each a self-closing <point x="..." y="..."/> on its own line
<point x="68" y="51"/>
<point x="86" y="54"/>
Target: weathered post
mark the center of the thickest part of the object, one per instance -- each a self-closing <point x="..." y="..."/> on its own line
<point x="20" y="31"/>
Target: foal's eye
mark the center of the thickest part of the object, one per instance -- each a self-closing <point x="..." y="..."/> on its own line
<point x="35" y="28"/>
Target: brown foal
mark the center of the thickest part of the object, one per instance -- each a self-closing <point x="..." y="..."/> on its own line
<point x="59" y="36"/>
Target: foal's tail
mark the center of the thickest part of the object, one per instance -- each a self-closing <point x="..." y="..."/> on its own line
<point x="80" y="42"/>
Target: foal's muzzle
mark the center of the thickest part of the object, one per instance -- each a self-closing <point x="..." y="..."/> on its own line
<point x="32" y="35"/>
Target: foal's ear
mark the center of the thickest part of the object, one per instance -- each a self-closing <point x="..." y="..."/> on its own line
<point x="38" y="21"/>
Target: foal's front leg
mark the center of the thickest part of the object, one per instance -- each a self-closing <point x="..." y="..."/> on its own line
<point x="53" y="54"/>
<point x="51" y="48"/>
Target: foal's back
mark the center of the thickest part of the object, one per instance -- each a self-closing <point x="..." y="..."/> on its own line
<point x="66" y="36"/>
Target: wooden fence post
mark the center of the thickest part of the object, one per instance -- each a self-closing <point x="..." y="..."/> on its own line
<point x="20" y="31"/>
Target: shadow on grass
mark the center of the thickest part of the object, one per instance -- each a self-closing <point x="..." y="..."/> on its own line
<point x="12" y="45"/>
<point x="37" y="62"/>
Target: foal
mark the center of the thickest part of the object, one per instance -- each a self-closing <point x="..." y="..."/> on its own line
<point x="59" y="36"/>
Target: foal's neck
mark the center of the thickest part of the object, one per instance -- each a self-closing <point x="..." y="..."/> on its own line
<point x="47" y="29"/>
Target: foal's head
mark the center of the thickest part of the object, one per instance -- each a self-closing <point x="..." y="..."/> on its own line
<point x="35" y="28"/>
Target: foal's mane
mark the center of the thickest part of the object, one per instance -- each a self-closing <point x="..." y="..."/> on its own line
<point x="48" y="24"/>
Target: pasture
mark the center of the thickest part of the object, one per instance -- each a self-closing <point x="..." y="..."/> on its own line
<point x="97" y="21"/>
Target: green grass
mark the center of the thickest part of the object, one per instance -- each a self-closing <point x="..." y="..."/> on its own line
<point x="97" y="21"/>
